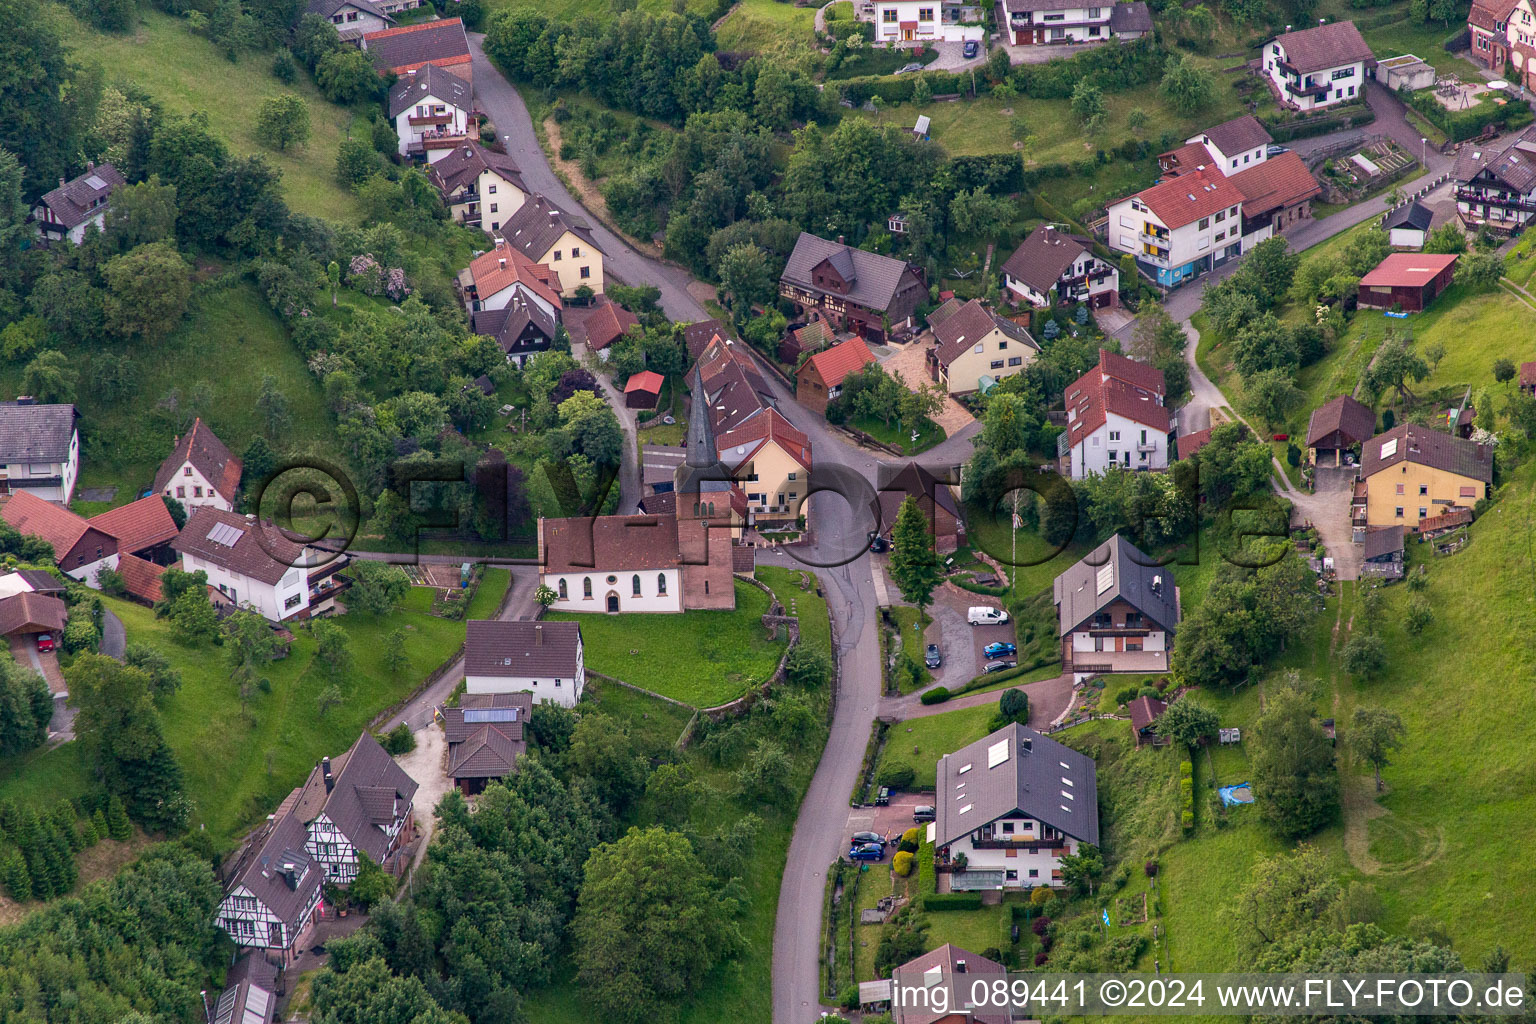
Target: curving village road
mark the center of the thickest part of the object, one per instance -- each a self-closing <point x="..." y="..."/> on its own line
<point x="838" y="553"/>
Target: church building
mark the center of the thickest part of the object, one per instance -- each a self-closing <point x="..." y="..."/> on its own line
<point x="651" y="563"/>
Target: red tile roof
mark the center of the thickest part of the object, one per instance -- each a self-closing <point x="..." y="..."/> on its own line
<point x="140" y="578"/>
<point x="138" y="525"/>
<point x="648" y="381"/>
<point x="1117" y="385"/>
<point x="1408" y="270"/>
<point x="53" y="523"/>
<point x="1189" y="444"/>
<point x="208" y="455"/>
<point x="837" y="362"/>
<point x="1189" y="197"/>
<point x="741" y="443"/>
<point x="32" y="613"/>
<point x="1113" y="364"/>
<point x="1185" y="159"/>
<point x="503" y="266"/>
<point x="400" y="49"/>
<point x="1275" y="184"/>
<point x="606" y="324"/>
<point x="1528" y="375"/>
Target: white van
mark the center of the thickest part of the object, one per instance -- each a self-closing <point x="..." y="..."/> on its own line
<point x="982" y="616"/>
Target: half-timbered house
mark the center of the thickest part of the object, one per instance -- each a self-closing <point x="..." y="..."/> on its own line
<point x="359" y="800"/>
<point x="271" y="891"/>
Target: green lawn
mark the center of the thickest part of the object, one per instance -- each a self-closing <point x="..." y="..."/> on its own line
<point x="757" y="25"/>
<point x="920" y="742"/>
<point x="786" y="584"/>
<point x="1422" y="39"/>
<point x="908" y="621"/>
<point x="898" y="437"/>
<point x="702" y="658"/>
<point x="570" y="10"/>
<point x="227" y="333"/>
<point x="186" y="73"/>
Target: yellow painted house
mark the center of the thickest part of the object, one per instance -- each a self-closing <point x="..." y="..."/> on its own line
<point x="771" y="461"/>
<point x="972" y="343"/>
<point x="1412" y="474"/>
<point x="564" y="242"/>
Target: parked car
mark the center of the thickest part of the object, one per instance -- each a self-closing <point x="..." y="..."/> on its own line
<point x="908" y="68"/>
<point x="999" y="666"/>
<point x="932" y="658"/>
<point x="867" y="851"/>
<point x="45" y="642"/>
<point x="923" y="812"/>
<point x="970" y="49"/>
<point x="883" y="797"/>
<point x="879" y="544"/>
<point x="983" y="616"/>
<point x="1276" y="150"/>
<point x="999" y="649"/>
<point x="861" y="838"/>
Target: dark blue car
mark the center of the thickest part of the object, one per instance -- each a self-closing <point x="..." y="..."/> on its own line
<point x="997" y="650"/>
<point x="971" y="49"/>
<point x="866" y="851"/>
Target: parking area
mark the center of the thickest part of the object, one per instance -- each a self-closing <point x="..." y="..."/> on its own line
<point x="961" y="640"/>
<point x="910" y="363"/>
<point x="889" y="821"/>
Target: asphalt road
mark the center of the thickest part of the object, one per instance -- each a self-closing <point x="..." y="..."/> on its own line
<point x="501" y="102"/>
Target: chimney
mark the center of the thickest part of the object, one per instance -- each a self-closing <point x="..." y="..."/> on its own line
<point x="1050" y="233"/>
<point x="554" y="214"/>
<point x="1029" y="744"/>
<point x="61" y="183"/>
<point x="1157" y="584"/>
<point x="840" y="240"/>
<point x="538" y="635"/>
<point x="325" y="770"/>
<point x="90" y="165"/>
<point x="502" y="263"/>
<point x="959" y="966"/>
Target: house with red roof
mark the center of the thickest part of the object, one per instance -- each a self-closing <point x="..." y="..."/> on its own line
<point x="771" y="460"/>
<point x="1219" y="195"/>
<point x="142" y="527"/>
<point x="1407" y="280"/>
<point x="201" y="470"/>
<point x="643" y="390"/>
<point x="1116" y="416"/>
<point x="79" y="549"/>
<point x="820" y="378"/>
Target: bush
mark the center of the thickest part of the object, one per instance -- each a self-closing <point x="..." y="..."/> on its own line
<point x="1041" y="924"/>
<point x="952" y="901"/>
<point x="913" y="835"/>
<point x="399" y="740"/>
<point x="1125" y="695"/>
<point x="1151" y="869"/>
<point x="895" y="775"/>
<point x="937" y="695"/>
<point x="902" y="863"/>
<point x="1187" y="820"/>
<point x="1040" y="959"/>
<point x="80" y="634"/>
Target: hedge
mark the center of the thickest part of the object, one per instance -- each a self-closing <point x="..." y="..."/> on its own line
<point x="937" y="695"/>
<point x="1187" y="795"/>
<point x="1461" y="125"/>
<point x="1338" y="119"/>
<point x="977" y="588"/>
<point x="952" y="901"/>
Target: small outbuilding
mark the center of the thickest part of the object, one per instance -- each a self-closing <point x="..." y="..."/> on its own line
<point x="1405" y="72"/>
<point x="1145" y="711"/>
<point x="1383" y="553"/>
<point x="1338" y="425"/>
<point x="1408" y="280"/>
<point x="643" y="390"/>
<point x="1408" y="226"/>
<point x="31" y="613"/>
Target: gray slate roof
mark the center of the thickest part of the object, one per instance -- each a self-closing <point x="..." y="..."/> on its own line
<point x="1346" y="413"/>
<point x="327" y="8"/>
<point x="507" y="324"/>
<point x="35" y="433"/>
<point x="522" y="650"/>
<point x="1028" y="781"/>
<point x="874" y="279"/>
<point x="1384" y="542"/>
<point x="1415" y="215"/>
<point x="428" y="82"/>
<point x="370" y="791"/>
<point x="1131" y="17"/>
<point x="1085" y="588"/>
<point x="72" y="202"/>
<point x="538" y="224"/>
<point x="277" y="871"/>
<point x="960" y="970"/>
<point x="464" y="164"/>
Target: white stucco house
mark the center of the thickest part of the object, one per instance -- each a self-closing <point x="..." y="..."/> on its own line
<point x="898" y="21"/>
<point x="544" y="659"/>
<point x="1012" y="805"/>
<point x="1116" y="416"/>
<point x="251" y="564"/>
<point x="433" y="112"/>
<point x="201" y="470"/>
<point x="39" y="449"/>
<point x="1318" y="67"/>
<point x="1053" y="263"/>
<point x="78" y="205"/>
<point x="1116" y="611"/>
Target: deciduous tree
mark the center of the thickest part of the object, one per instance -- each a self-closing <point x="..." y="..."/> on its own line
<point x="1295" y="779"/>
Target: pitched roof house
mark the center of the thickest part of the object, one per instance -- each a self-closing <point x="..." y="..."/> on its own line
<point x="138" y="526"/>
<point x="1412" y="474"/>
<point x="201" y="470"/>
<point x="480" y="187"/>
<point x="859" y="291"/>
<point x="941" y="986"/>
<point x="359" y="801"/>
<point x="544" y="659"/>
<point x="78" y="204"/>
<point x="523" y="328"/>
<point x="141" y="579"/>
<point x="643" y="390"/>
<point x="820" y="378"/>
<point x="600" y="325"/>
<point x="562" y="241"/>
<point x="433" y="111"/>
<point x="250" y="993"/>
<point x="698" y="335"/>
<point x="79" y="548"/>
<point x="1115" y="417"/>
<point x="271" y="890"/>
<point x="1014" y="803"/>
<point x="1049" y="260"/>
<point x="1116" y="611"/>
<point x="353" y="18"/>
<point x="1144" y="712"/>
<point x="975" y="347"/>
<point x="40" y="448"/>
<point x="1410" y="280"/>
<point x="1408" y="225"/>
<point x="1496" y="182"/>
<point x="409" y="48"/>
<point x="1337" y="425"/>
<point x="250" y="562"/>
<point x="485" y="736"/>
<point x="934" y="498"/>
<point x="1319" y="66"/>
<point x="498" y="275"/>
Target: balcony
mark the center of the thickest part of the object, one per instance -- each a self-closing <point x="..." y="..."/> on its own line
<point x="1499" y="199"/>
<point x="1058" y="847"/>
<point x="445" y="118"/>
<point x="1153" y="239"/>
<point x="1147" y="446"/>
<point x="1156" y="261"/>
<point x="1317" y="89"/>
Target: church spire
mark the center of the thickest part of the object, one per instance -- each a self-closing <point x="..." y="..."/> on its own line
<point x="702" y="453"/>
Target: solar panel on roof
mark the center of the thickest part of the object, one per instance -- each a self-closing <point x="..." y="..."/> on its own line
<point x="257" y="1000"/>
<point x="997" y="753"/>
<point x="226" y="1008"/>
<point x="225" y="534"/>
<point x="1106" y="578"/>
<point x="490" y="715"/>
<point x="95" y="182"/>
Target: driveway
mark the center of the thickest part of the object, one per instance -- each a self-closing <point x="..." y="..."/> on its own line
<point x="910" y="363"/>
<point x="1048" y="698"/>
<point x="502" y="104"/>
<point x="428" y="765"/>
<point x="629" y="463"/>
<point x="956" y="645"/>
<point x="114" y="638"/>
<point x="61" y="727"/>
<point x="952" y="56"/>
<point x="891" y="820"/>
<point x="1328" y="510"/>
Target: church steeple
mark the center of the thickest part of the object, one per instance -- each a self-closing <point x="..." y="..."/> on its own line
<point x="702" y="453"/>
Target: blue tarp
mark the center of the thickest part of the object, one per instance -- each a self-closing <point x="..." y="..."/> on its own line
<point x="1241" y="793"/>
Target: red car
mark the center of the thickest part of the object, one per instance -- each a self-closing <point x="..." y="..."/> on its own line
<point x="45" y="642"/>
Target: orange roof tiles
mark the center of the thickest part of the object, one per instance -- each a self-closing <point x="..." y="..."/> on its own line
<point x="138" y="525"/>
<point x="836" y="363"/>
